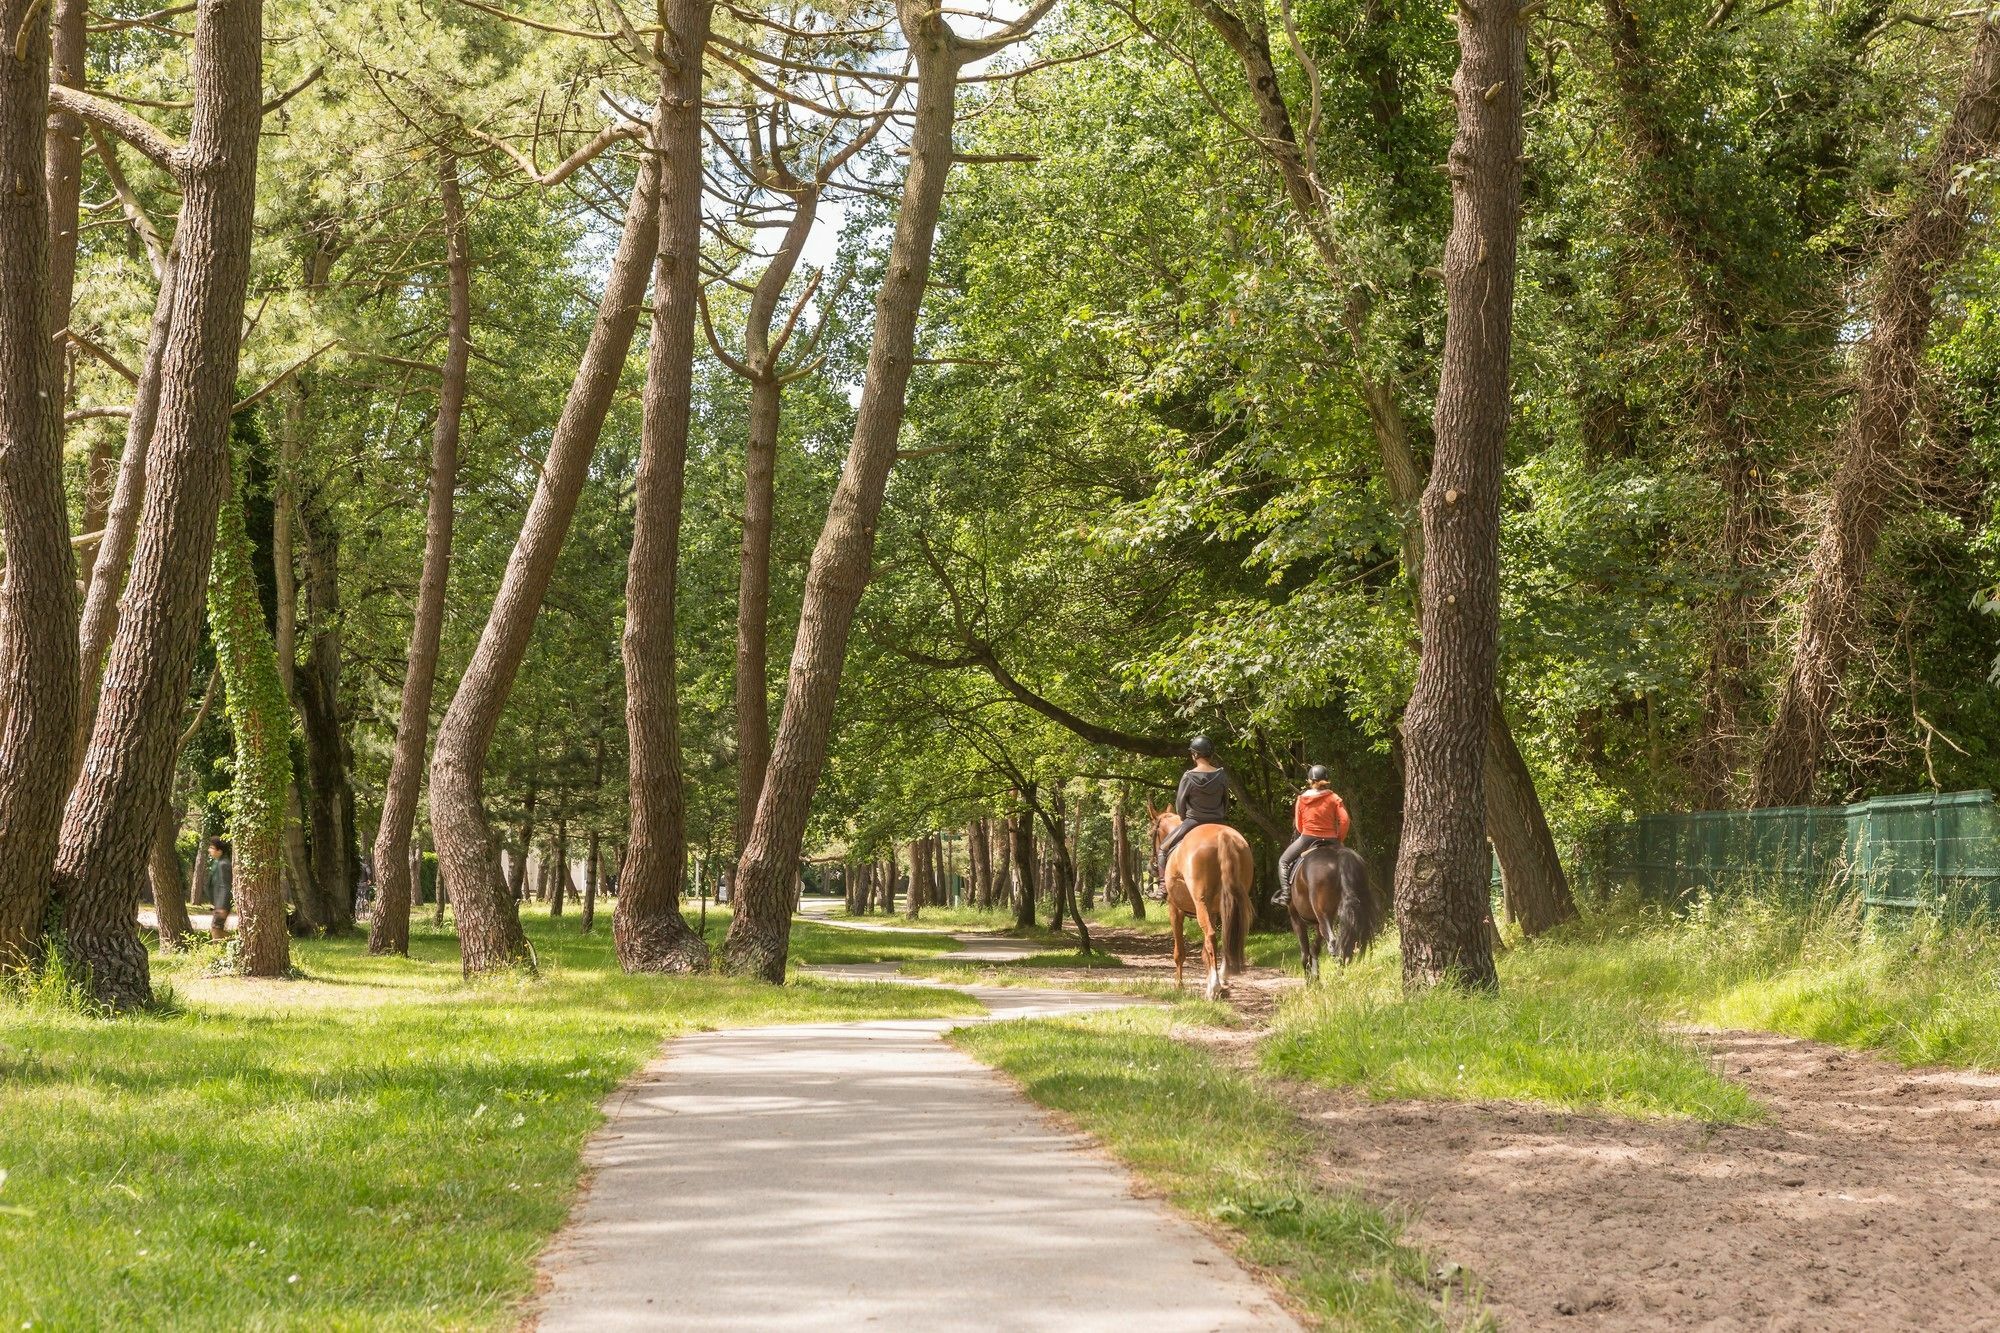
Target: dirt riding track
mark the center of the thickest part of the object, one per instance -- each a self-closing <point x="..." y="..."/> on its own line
<point x="1869" y="1200"/>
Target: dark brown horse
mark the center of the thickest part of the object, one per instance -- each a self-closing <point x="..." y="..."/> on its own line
<point x="1332" y="906"/>
<point x="1208" y="877"/>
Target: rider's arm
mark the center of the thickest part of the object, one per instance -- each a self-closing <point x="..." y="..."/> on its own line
<point x="1180" y="794"/>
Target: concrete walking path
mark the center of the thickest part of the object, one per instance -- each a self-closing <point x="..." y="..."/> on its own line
<point x="871" y="1176"/>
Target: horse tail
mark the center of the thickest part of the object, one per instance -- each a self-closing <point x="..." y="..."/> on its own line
<point x="1359" y="918"/>
<point x="1236" y="909"/>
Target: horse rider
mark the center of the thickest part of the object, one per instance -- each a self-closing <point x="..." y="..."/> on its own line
<point x="1202" y="798"/>
<point x="1319" y="817"/>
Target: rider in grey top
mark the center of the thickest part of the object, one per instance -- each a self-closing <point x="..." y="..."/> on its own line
<point x="1202" y="798"/>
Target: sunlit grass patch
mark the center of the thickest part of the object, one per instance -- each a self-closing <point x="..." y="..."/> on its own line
<point x="1528" y="1043"/>
<point x="379" y="1144"/>
<point x="1224" y="1150"/>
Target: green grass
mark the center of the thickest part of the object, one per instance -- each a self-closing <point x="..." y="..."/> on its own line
<point x="1592" y="1017"/>
<point x="1220" y="1148"/>
<point x="377" y="1145"/>
<point x="1528" y="1043"/>
<point x="1924" y="992"/>
<point x="1001" y="919"/>
<point x="816" y="943"/>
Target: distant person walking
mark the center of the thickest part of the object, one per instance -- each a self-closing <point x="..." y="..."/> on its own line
<point x="1319" y="817"/>
<point x="221" y="886"/>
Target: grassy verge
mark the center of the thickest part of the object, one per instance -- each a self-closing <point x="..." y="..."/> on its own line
<point x="816" y="943"/>
<point x="1108" y="915"/>
<point x="377" y="1145"/>
<point x="1922" y="992"/>
<point x="1529" y="1043"/>
<point x="1221" y="1148"/>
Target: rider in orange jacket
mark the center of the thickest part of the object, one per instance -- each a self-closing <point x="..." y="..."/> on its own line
<point x="1319" y="817"/>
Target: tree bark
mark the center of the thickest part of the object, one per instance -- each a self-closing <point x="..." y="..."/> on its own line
<point x="1121" y="857"/>
<point x="920" y="873"/>
<point x="1021" y="842"/>
<point x="69" y="40"/>
<point x="37" y="599"/>
<point x="489" y="926"/>
<point x="389" y="931"/>
<point x="1874" y="442"/>
<point x="318" y="696"/>
<point x="109" y="822"/>
<point x="1530" y="865"/>
<point x="163" y="873"/>
<point x="761" y="929"/>
<point x="1002" y="833"/>
<point x="1531" y="877"/>
<point x="1442" y="875"/>
<point x="559" y="876"/>
<point x="591" y="871"/>
<point x="260" y="717"/>
<point x="651" y="933"/>
<point x="101" y="602"/>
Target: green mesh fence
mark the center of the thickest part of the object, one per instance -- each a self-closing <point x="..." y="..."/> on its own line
<point x="1934" y="851"/>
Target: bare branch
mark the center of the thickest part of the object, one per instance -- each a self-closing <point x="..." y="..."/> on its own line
<point x="157" y="148"/>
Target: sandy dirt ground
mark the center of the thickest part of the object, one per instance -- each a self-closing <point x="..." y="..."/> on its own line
<point x="1869" y="1200"/>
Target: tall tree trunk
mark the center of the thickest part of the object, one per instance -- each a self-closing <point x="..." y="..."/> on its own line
<point x="651" y="933"/>
<point x="489" y="926"/>
<point x="318" y="695"/>
<point x="920" y="873"/>
<point x="1928" y="240"/>
<point x="1002" y="830"/>
<point x="1121" y="858"/>
<point x="261" y="720"/>
<point x="69" y="41"/>
<point x="1531" y="877"/>
<point x="517" y="884"/>
<point x="163" y="873"/>
<point x="1063" y="872"/>
<point x="109" y="822"/>
<point x="559" y="877"/>
<point x="1529" y="863"/>
<point x="102" y="599"/>
<point x="389" y="932"/>
<point x="1021" y="840"/>
<point x="760" y="932"/>
<point x="1442" y="875"/>
<point x="38" y="689"/>
<point x="760" y="459"/>
<point x="591" y="870"/>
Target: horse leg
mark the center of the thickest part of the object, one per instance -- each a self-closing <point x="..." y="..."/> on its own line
<point x="1206" y="920"/>
<point x="1308" y="961"/>
<point x="1176" y="917"/>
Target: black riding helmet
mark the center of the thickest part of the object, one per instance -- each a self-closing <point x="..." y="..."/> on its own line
<point x="1317" y="773"/>
<point x="1202" y="746"/>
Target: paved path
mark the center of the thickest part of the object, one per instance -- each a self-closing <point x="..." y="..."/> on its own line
<point x="870" y="1176"/>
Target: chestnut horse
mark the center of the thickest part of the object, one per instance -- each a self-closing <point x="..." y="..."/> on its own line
<point x="1332" y="906"/>
<point x="1208" y="877"/>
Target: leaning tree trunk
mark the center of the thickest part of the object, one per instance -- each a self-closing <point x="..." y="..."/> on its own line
<point x="163" y="874"/>
<point x="651" y="933"/>
<point x="760" y="932"/>
<point x="108" y="824"/>
<point x="261" y="720"/>
<point x="1531" y="877"/>
<point x="101" y="601"/>
<point x="37" y="599"/>
<point x="489" y="925"/>
<point x="1928" y="240"/>
<point x="1442" y="875"/>
<point x="389" y="931"/>
<point x="1121" y="859"/>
